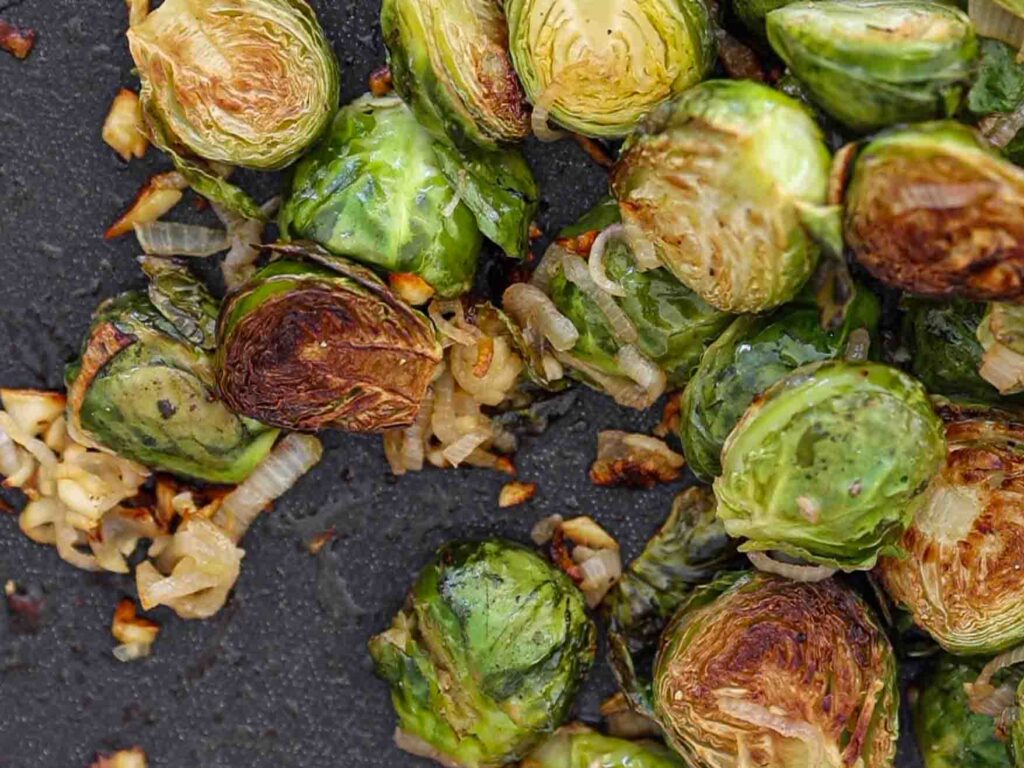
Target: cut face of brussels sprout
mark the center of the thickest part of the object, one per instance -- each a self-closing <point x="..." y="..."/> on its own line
<point x="307" y="345"/>
<point x="373" y="191"/>
<point x="825" y="464"/>
<point x="244" y="82"/>
<point x="873" y="63"/>
<point x="597" y="66"/>
<point x="724" y="182"/>
<point x="758" y="670"/>
<point x="959" y="576"/>
<point x="753" y="354"/>
<point x="450" y="62"/>
<point x="932" y="210"/>
<point x="141" y="390"/>
<point x="488" y="654"/>
<point x="582" y="748"/>
<point x="949" y="734"/>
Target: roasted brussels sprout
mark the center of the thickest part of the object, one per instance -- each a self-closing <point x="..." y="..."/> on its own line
<point x="597" y="67"/>
<point x="582" y="748"/>
<point x="487" y="655"/>
<point x="873" y="63"/>
<point x="313" y="341"/>
<point x="933" y="210"/>
<point x="753" y="354"/>
<point x="373" y="190"/>
<point x="949" y="734"/>
<point x="825" y="464"/>
<point x="450" y="62"/>
<point x="758" y="670"/>
<point x="728" y="182"/>
<point x="648" y="311"/>
<point x="244" y="82"/>
<point x="957" y="573"/>
<point x="144" y="389"/>
<point x="751" y="13"/>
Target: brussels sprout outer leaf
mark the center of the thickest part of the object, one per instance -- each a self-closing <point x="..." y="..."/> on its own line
<point x="873" y="63"/>
<point x="183" y="300"/>
<point x="999" y="84"/>
<point x="450" y="63"/>
<point x="488" y="654"/>
<point x="373" y="191"/>
<point x="243" y="82"/>
<point x="499" y="188"/>
<point x="824" y="466"/>
<point x="949" y="734"/>
<point x="809" y="657"/>
<point x="752" y="355"/>
<point x="141" y="390"/>
<point x="583" y="748"/>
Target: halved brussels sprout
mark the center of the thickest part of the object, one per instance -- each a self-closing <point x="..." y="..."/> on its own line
<point x="728" y="182"/>
<point x="244" y="82"/>
<point x="825" y="464"/>
<point x="487" y="655"/>
<point x="597" y="67"/>
<point x="648" y="310"/>
<point x="313" y="341"/>
<point x="144" y="390"/>
<point x="753" y="354"/>
<point x="450" y="62"/>
<point x="873" y="63"/>
<point x="958" y="571"/>
<point x="374" y="191"/>
<point x="933" y="210"/>
<point x="949" y="734"/>
<point x="583" y="748"/>
<point x="758" y="670"/>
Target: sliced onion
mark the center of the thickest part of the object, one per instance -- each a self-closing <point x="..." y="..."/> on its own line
<point x="642" y="371"/>
<point x="246" y="240"/>
<point x="1003" y="369"/>
<point x="858" y="346"/>
<point x="459" y="331"/>
<point x="36" y="447"/>
<point x="10" y="457"/>
<point x="644" y="252"/>
<point x="807" y="574"/>
<point x="460" y="450"/>
<point x="992" y="20"/>
<point x="596" y="261"/>
<point x="293" y="457"/>
<point x="619" y="388"/>
<point x="550" y="265"/>
<point x="600" y="572"/>
<point x="529" y="305"/>
<point x="442" y="420"/>
<point x="545" y="529"/>
<point x="576" y="273"/>
<point x="541" y="129"/>
<point x="1000" y="129"/>
<point x="982" y="695"/>
<point x="169" y="238"/>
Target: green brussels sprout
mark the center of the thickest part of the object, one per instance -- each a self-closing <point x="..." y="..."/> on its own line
<point x="1001" y="335"/>
<point x="751" y="13"/>
<point x="753" y="354"/>
<point x="728" y="183"/>
<point x="949" y="734"/>
<point x="312" y="341"/>
<point x="584" y="748"/>
<point x="759" y="670"/>
<point x="373" y="191"/>
<point x="825" y="464"/>
<point x="243" y="82"/>
<point x="145" y="388"/>
<point x="450" y="62"/>
<point x="958" y="571"/>
<point x="873" y="63"/>
<point x="647" y="310"/>
<point x="487" y="655"/>
<point x="933" y="210"/>
<point x="597" y="67"/>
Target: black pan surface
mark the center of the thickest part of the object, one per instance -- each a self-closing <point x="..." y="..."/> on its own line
<point x="281" y="676"/>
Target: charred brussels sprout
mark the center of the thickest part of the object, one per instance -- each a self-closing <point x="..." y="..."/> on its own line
<point x="825" y="464"/>
<point x="313" y="341"/>
<point x="949" y="734"/>
<point x="450" y="62"/>
<point x="753" y="354"/>
<point x="728" y="182"/>
<point x="648" y="310"/>
<point x="933" y="210"/>
<point x="873" y="63"/>
<point x="374" y="191"/>
<point x="243" y="82"/>
<point x="582" y="748"/>
<point x="758" y="670"/>
<point x="143" y="389"/>
<point x="958" y="574"/>
<point x="487" y="655"/>
<point x="596" y="67"/>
